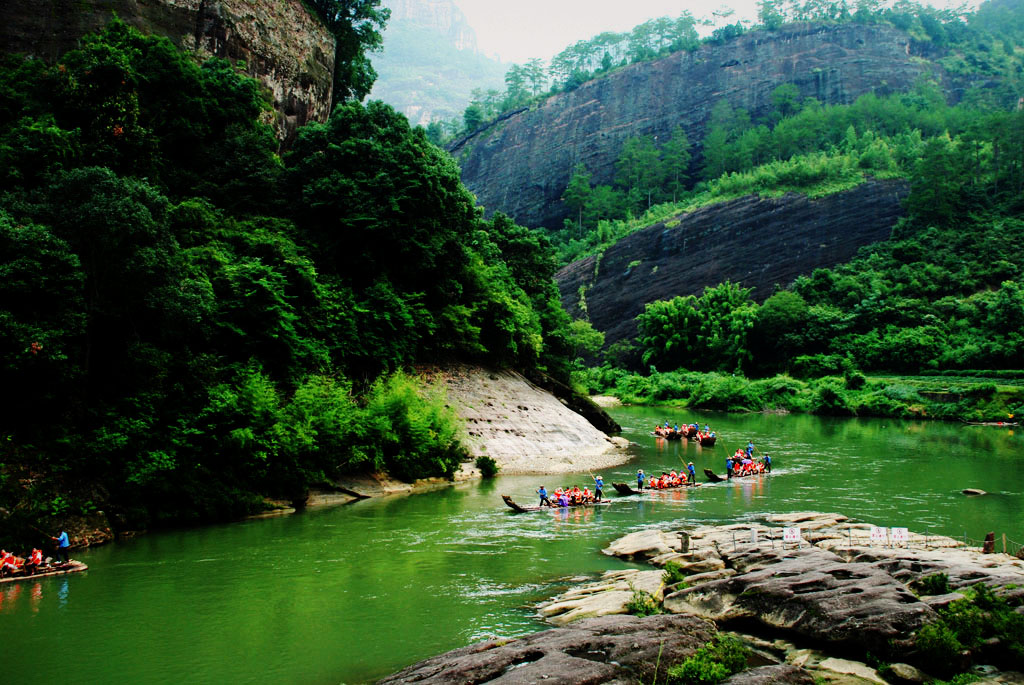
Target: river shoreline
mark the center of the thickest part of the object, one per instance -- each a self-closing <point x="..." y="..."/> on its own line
<point x="829" y="606"/>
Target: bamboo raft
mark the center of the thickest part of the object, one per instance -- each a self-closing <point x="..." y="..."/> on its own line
<point x="519" y="509"/>
<point x="62" y="570"/>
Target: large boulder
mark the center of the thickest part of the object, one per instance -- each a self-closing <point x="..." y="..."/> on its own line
<point x="610" y="649"/>
<point x="811" y="592"/>
<point x="608" y="596"/>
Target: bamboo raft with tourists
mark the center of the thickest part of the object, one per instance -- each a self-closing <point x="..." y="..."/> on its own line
<point x="45" y="572"/>
<point x="520" y="509"/>
<point x="692" y="431"/>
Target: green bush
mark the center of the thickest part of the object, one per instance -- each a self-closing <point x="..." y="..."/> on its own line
<point x="720" y="658"/>
<point x="642" y="603"/>
<point x="673" y="574"/>
<point x="935" y="584"/>
<point x="488" y="467"/>
<point x="818" y="365"/>
<point x="938" y="646"/>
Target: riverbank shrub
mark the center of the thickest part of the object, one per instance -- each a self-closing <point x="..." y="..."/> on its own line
<point x="488" y="467"/>
<point x="642" y="603"/>
<point x="888" y="396"/>
<point x="673" y="574"/>
<point x="713" y="663"/>
<point x="973" y="624"/>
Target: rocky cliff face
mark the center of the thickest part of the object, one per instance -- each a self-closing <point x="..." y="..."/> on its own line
<point x="521" y="165"/>
<point x="279" y="42"/>
<point x="752" y="241"/>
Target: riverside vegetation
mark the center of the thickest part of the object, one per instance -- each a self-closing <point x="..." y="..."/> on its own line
<point x="191" y="321"/>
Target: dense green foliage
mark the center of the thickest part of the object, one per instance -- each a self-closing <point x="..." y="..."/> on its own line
<point x="968" y="624"/>
<point x="840" y="395"/>
<point x="189" y="322"/>
<point x="720" y="658"/>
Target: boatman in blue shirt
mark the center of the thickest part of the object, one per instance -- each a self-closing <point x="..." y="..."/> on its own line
<point x="640" y="479"/>
<point x="728" y="467"/>
<point x="693" y="473"/>
<point x="63" y="544"/>
<point x="767" y="463"/>
<point x="598" y="487"/>
<point x="750" y="449"/>
<point x="543" y="496"/>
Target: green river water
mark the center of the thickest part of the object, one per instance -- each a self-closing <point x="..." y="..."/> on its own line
<point x="349" y="594"/>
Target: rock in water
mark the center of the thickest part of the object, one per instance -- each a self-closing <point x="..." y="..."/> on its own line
<point x="610" y="649"/>
<point x="973" y="491"/>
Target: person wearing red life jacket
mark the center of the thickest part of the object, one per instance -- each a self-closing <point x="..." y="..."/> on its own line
<point x="587" y="496"/>
<point x="8" y="563"/>
<point x="34" y="562"/>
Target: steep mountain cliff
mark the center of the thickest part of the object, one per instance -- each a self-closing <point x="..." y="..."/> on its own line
<point x="280" y="42"/>
<point x="757" y="242"/>
<point x="430" y="62"/>
<point x="522" y="163"/>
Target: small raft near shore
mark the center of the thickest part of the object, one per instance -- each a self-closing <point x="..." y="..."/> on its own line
<point x="519" y="509"/>
<point x="61" y="570"/>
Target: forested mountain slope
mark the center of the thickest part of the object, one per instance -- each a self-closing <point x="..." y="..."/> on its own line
<point x="522" y="164"/>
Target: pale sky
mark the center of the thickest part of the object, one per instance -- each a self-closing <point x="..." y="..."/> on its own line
<point x="521" y="29"/>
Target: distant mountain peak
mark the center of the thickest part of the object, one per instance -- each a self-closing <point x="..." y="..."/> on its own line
<point x="442" y="16"/>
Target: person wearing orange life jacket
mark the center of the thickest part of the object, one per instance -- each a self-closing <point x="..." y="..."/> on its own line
<point x="653" y="484"/>
<point x="8" y="563"/>
<point x="587" y="496"/>
<point x="35" y="561"/>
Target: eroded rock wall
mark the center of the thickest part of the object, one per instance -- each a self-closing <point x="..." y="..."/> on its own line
<point x="757" y="242"/>
<point x="279" y="42"/>
<point x="521" y="165"/>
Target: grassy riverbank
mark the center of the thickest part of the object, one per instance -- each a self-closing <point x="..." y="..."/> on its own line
<point x="971" y="396"/>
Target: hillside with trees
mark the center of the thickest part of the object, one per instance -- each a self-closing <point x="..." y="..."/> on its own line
<point x="190" y="322"/>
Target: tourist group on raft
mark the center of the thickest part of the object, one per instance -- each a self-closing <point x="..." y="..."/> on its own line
<point x="667" y="480"/>
<point x="571" y="497"/>
<point x="667" y="430"/>
<point x="743" y="463"/>
<point x="11" y="565"/>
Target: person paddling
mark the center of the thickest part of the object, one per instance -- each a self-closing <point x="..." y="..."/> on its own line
<point x="598" y="487"/>
<point x="63" y="544"/>
<point x="544" y="501"/>
<point x="640" y="479"/>
<point x="767" y="463"/>
<point x="693" y="473"/>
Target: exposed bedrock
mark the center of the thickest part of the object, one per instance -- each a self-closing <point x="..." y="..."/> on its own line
<point x="278" y="42"/>
<point x="521" y="164"/>
<point x="609" y="649"/>
<point x="757" y="242"/>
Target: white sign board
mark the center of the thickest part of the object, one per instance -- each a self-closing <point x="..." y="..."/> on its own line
<point x="878" y="534"/>
<point x="791" y="535"/>
<point x="900" y="534"/>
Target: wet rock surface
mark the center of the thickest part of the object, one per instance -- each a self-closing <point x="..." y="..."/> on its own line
<point x="609" y="649"/>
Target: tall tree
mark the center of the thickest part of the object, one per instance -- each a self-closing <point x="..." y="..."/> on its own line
<point x="357" y="27"/>
<point x="676" y="158"/>
<point x="639" y="168"/>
